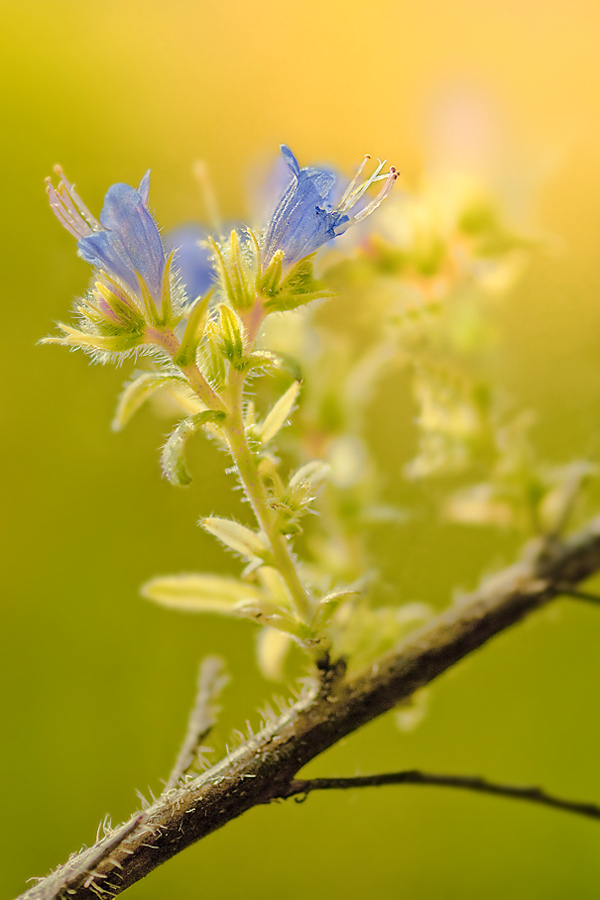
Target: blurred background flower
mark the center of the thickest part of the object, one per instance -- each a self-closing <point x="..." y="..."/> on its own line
<point x="97" y="683"/>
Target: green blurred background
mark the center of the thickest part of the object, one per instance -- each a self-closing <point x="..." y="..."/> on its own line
<point x="96" y="683"/>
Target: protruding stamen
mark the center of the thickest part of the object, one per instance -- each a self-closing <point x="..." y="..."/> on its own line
<point x="383" y="193"/>
<point x="357" y="193"/>
<point x="84" y="211"/>
<point x="354" y="181"/>
<point x="69" y="208"/>
<point x="61" y="212"/>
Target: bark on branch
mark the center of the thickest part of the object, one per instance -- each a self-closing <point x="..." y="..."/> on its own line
<point x="264" y="767"/>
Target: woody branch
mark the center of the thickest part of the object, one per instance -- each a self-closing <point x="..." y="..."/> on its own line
<point x="264" y="768"/>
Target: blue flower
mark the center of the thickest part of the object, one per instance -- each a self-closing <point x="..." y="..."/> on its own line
<point x="304" y="218"/>
<point x="192" y="258"/>
<point x="125" y="243"/>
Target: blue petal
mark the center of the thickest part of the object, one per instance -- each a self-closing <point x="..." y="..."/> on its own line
<point x="131" y="242"/>
<point x="290" y="159"/>
<point x="144" y="188"/>
<point x="192" y="259"/>
<point x="303" y="220"/>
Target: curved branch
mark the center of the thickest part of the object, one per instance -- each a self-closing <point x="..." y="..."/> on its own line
<point x="211" y="681"/>
<point x="262" y="768"/>
<point x="297" y="787"/>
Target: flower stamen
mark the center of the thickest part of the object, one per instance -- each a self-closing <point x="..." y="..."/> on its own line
<point x="385" y="191"/>
<point x="354" y="182"/>
<point x="353" y="194"/>
<point x="304" y="218"/>
<point x="69" y="208"/>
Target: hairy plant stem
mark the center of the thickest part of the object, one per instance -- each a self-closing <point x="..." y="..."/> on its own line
<point x="264" y="767"/>
<point x="166" y="339"/>
<point x="248" y="471"/>
<point x="243" y="459"/>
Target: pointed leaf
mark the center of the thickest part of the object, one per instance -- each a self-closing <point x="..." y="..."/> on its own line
<point x="239" y="538"/>
<point x="194" y="330"/>
<point x="231" y="343"/>
<point x="166" y="294"/>
<point x="269" y="282"/>
<point x="137" y="392"/>
<point x="172" y="458"/>
<point x="280" y="412"/>
<point x="298" y="288"/>
<point x="200" y="593"/>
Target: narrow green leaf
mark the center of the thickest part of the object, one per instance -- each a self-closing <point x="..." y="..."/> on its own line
<point x="172" y="459"/>
<point x="239" y="538"/>
<point x="231" y="337"/>
<point x="166" y="294"/>
<point x="200" y="593"/>
<point x="152" y="316"/>
<point x="280" y="412"/>
<point x="269" y="282"/>
<point x="138" y="391"/>
<point x="194" y="330"/>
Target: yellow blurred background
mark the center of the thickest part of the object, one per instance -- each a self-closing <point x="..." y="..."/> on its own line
<point x="96" y="683"/>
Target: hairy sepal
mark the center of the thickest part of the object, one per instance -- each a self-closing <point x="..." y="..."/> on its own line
<point x="298" y="288"/>
<point x="231" y="339"/>
<point x="194" y="329"/>
<point x="236" y="271"/>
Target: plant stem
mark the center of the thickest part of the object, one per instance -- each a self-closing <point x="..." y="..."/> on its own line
<point x="166" y="339"/>
<point x="244" y="461"/>
<point x="298" y="787"/>
<point x="201" y="386"/>
<point x="582" y="595"/>
<point x="255" y="490"/>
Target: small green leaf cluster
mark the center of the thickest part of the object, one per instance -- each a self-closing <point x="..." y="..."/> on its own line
<point x="114" y="322"/>
<point x="280" y="288"/>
